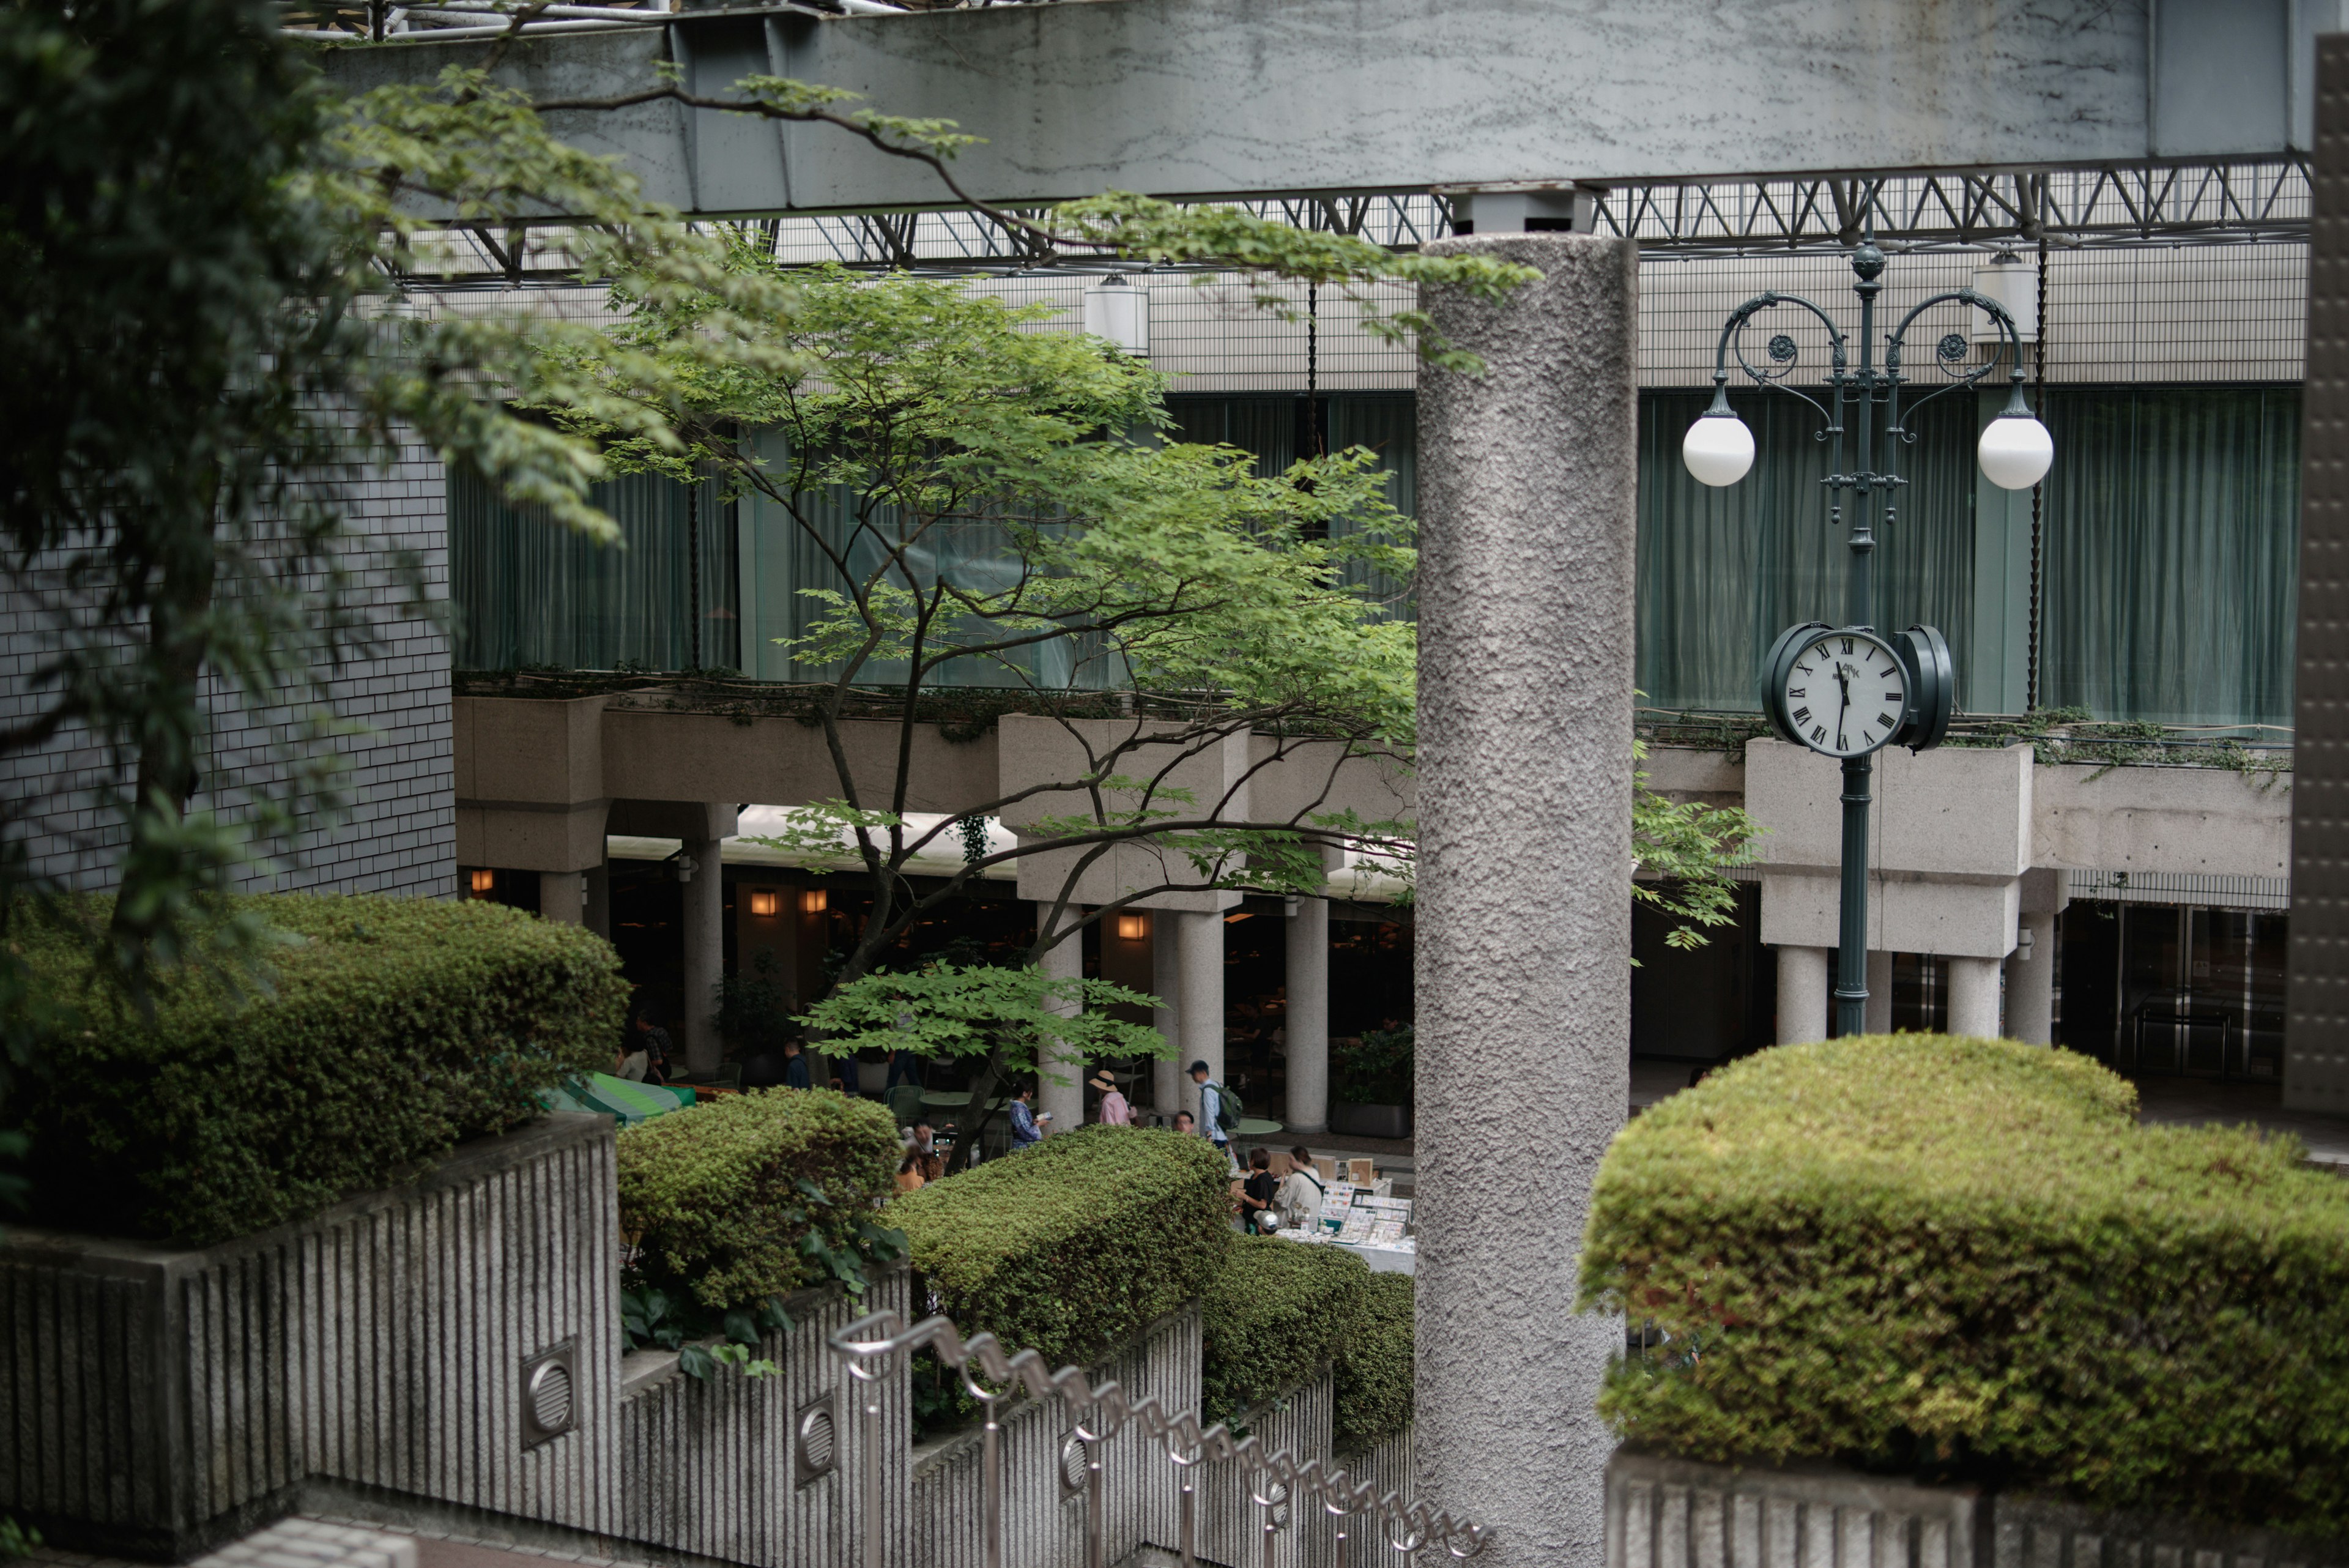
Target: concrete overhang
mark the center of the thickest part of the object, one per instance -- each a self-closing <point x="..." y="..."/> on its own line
<point x="1216" y="98"/>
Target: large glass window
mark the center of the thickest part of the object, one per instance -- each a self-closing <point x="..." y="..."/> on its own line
<point x="2172" y="541"/>
<point x="1722" y="572"/>
<point x="529" y="591"/>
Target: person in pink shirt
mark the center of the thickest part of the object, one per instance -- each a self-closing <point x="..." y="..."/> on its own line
<point x="1114" y="1111"/>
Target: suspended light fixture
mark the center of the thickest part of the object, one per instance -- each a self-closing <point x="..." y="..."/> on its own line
<point x="2006" y="279"/>
<point x="2016" y="449"/>
<point x="1118" y="311"/>
<point x="1718" y="448"/>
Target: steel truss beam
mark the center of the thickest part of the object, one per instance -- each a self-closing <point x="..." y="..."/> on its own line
<point x="2201" y="204"/>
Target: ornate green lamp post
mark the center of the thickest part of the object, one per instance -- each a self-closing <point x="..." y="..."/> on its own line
<point x="1846" y="691"/>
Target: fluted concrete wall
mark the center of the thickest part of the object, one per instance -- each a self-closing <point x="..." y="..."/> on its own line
<point x="161" y="1398"/>
<point x="1043" y="1522"/>
<point x="1232" y="1523"/>
<point x="708" y="1468"/>
<point x="1674" y="1513"/>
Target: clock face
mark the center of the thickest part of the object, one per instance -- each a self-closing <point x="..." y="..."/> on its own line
<point x="1843" y="693"/>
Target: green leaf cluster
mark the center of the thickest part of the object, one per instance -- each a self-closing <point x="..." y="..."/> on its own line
<point x="742" y="1197"/>
<point x="1964" y="1256"/>
<point x="1373" y="1369"/>
<point x="1275" y="1314"/>
<point x="1075" y="1244"/>
<point x="1008" y="1015"/>
<point x="383" y="1031"/>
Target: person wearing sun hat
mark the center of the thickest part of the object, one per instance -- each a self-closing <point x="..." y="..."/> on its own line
<point x="1114" y="1111"/>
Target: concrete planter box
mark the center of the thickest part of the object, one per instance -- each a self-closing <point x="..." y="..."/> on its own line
<point x="1369" y="1121"/>
<point x="1677" y="1513"/>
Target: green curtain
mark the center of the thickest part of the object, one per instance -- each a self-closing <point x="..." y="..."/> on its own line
<point x="530" y="592"/>
<point x="781" y="560"/>
<point x="1721" y="571"/>
<point x="2171" y="542"/>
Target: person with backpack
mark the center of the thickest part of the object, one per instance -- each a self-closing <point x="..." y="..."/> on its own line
<point x="1220" y="1115"/>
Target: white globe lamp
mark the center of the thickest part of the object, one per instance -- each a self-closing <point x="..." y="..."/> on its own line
<point x="2016" y="450"/>
<point x="1718" y="448"/>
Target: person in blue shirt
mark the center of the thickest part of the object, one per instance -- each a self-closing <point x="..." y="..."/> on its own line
<point x="1025" y="1131"/>
<point x="795" y="1067"/>
<point x="1211" y="1100"/>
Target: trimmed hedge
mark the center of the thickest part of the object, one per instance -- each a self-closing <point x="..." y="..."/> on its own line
<point x="745" y="1197"/>
<point x="394" y="1027"/>
<point x="1075" y="1244"/>
<point x="1965" y="1256"/>
<point x="1375" y="1367"/>
<point x="1274" y="1314"/>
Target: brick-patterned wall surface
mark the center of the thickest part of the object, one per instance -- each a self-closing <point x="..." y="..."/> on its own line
<point x="2316" y="1026"/>
<point x="398" y="832"/>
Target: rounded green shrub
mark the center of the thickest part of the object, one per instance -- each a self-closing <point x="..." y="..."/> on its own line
<point x="1075" y="1244"/>
<point x="389" y="1029"/>
<point x="746" y="1196"/>
<point x="1373" y="1368"/>
<point x="1274" y="1314"/>
<point x="1965" y="1256"/>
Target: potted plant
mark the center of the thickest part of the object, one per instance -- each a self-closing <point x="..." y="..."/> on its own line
<point x="1370" y="1084"/>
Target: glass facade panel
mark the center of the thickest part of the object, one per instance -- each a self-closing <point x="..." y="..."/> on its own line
<point x="2172" y="541"/>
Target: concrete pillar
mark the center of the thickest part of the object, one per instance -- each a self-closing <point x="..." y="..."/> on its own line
<point x="599" y="901"/>
<point x="1973" y="996"/>
<point x="559" y="898"/>
<point x="1307" y="1026"/>
<point x="1166" y="1079"/>
<point x="1065" y="1099"/>
<point x="1527" y="481"/>
<point x="1199" y="999"/>
<point x="1801" y="994"/>
<point x="1879" y="992"/>
<point x="2031" y="984"/>
<point x="705" y="953"/>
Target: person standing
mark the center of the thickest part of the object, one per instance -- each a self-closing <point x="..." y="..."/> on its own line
<point x="1211" y="1109"/>
<point x="1025" y="1132"/>
<point x="1115" y="1110"/>
<point x="1257" y="1192"/>
<point x="795" y="1067"/>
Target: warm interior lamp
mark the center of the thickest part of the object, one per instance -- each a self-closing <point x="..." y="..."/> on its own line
<point x="1133" y="927"/>
<point x="1718" y="448"/>
<point x="485" y="882"/>
<point x="813" y="901"/>
<point x="2016" y="449"/>
<point x="765" y="903"/>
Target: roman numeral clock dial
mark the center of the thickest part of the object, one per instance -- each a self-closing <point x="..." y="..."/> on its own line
<point x="1843" y="693"/>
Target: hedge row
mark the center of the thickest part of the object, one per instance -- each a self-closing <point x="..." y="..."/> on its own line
<point x="1076" y="1244"/>
<point x="391" y="1029"/>
<point x="1374" y="1369"/>
<point x="745" y="1197"/>
<point x="1965" y="1256"/>
<point x="1277" y="1312"/>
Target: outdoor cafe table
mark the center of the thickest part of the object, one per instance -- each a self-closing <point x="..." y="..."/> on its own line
<point x="1256" y="1126"/>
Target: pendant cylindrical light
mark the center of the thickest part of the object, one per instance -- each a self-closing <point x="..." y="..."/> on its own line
<point x="2016" y="449"/>
<point x="1718" y="448"/>
<point x="2006" y="279"/>
<point x="1116" y="310"/>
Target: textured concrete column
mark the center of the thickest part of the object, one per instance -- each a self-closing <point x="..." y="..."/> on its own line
<point x="599" y="901"/>
<point x="1527" y="481"/>
<point x="1064" y="1099"/>
<point x="1801" y="994"/>
<point x="705" y="953"/>
<point x="1307" y="1026"/>
<point x="1879" y="992"/>
<point x="1973" y="996"/>
<point x="559" y="898"/>
<point x="1166" y="1079"/>
<point x="1199" y="999"/>
<point x="2031" y="984"/>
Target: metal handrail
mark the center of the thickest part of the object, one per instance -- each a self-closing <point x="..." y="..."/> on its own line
<point x="1275" y="1480"/>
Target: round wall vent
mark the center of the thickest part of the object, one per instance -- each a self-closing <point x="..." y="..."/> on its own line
<point x="550" y="1393"/>
<point x="1074" y="1463"/>
<point x="815" y="1441"/>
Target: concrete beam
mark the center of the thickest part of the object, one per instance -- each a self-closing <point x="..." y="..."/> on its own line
<point x="1236" y="98"/>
